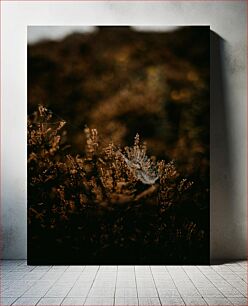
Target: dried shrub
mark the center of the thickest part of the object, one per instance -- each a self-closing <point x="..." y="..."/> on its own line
<point x="108" y="204"/>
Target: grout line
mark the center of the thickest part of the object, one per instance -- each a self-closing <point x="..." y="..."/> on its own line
<point x="193" y="284"/>
<point x="155" y="286"/>
<point x="210" y="281"/>
<point x="241" y="263"/>
<point x="175" y="285"/>
<point x="73" y="283"/>
<point x="115" y="283"/>
<point x="136" y="284"/>
<point x="235" y="304"/>
<point x="243" y="279"/>
<point x="227" y="281"/>
<point x="27" y="289"/>
<point x="38" y="301"/>
<point x="14" y="301"/>
<point x="92" y="283"/>
<point x="35" y="284"/>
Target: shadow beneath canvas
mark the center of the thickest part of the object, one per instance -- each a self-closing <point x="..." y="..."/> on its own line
<point x="223" y="228"/>
<point x="226" y="261"/>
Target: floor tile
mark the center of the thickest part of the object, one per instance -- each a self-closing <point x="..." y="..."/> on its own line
<point x="108" y="268"/>
<point x="162" y="276"/>
<point x="58" y="268"/>
<point x="41" y="268"/>
<point x="217" y="301"/>
<point x="71" y="275"/>
<point x="106" y="275"/>
<point x="164" y="292"/>
<point x="126" y="301"/>
<point x="104" y="282"/>
<point x="210" y="292"/>
<point x="99" y="301"/>
<point x="73" y="301"/>
<point x="230" y="292"/>
<point x="165" y="284"/>
<point x="38" y="290"/>
<point x="26" y="301"/>
<point x="166" y="301"/>
<point x="189" y="292"/>
<point x="23" y="268"/>
<point x="58" y="291"/>
<point x="75" y="269"/>
<point x="147" y="292"/>
<point x="86" y="278"/>
<point x="142" y="282"/>
<point x="4" y="301"/>
<point x="15" y="275"/>
<point x="13" y="292"/>
<point x="239" y="301"/>
<point x="79" y="291"/>
<point x="126" y="276"/>
<point x="194" y="301"/>
<point x="125" y="269"/>
<point x="149" y="301"/>
<point x="125" y="283"/>
<point x="91" y="268"/>
<point x="102" y="292"/>
<point x="33" y="276"/>
<point x="51" y="276"/>
<point x="50" y="301"/>
<point x="126" y="292"/>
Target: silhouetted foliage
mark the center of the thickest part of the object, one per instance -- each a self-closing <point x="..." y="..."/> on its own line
<point x="108" y="204"/>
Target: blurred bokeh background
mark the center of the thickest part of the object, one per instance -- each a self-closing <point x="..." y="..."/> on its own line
<point x="123" y="80"/>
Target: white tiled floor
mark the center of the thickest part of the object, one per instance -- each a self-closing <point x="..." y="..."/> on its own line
<point x="224" y="284"/>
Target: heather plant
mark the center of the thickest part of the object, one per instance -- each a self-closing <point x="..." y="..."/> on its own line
<point x="105" y="204"/>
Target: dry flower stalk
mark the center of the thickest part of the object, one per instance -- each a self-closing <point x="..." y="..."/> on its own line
<point x="106" y="181"/>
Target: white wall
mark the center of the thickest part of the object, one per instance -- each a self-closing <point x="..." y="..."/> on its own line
<point x="228" y="103"/>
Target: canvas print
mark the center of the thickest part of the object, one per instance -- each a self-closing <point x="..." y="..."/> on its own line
<point x="118" y="145"/>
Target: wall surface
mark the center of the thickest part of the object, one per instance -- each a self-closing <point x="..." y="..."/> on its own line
<point x="228" y="104"/>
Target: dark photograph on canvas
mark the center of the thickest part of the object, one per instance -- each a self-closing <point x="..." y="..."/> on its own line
<point x="118" y="145"/>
